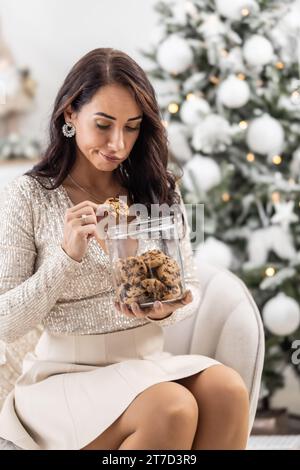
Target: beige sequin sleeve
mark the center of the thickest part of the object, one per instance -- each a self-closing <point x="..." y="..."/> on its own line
<point x="191" y="278"/>
<point x="26" y="296"/>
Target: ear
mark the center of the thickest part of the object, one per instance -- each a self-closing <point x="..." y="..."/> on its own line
<point x="69" y="114"/>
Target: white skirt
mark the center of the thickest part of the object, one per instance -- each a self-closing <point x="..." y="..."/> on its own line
<point x="72" y="388"/>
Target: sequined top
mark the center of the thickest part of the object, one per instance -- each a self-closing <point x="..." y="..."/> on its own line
<point x="41" y="284"/>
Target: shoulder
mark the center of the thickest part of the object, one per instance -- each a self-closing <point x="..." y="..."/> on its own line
<point x="23" y="187"/>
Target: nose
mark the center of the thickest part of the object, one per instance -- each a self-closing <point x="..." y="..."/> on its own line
<point x="116" y="142"/>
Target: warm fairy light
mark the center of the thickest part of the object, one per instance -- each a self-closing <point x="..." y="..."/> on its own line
<point x="224" y="52"/>
<point x="250" y="157"/>
<point x="279" y="65"/>
<point x="275" y="196"/>
<point x="243" y="125"/>
<point x="173" y="108"/>
<point x="190" y="96"/>
<point x="269" y="272"/>
<point x="241" y="76"/>
<point x="277" y="159"/>
<point x="245" y="12"/>
<point x="165" y="123"/>
<point x="214" y="80"/>
<point x="295" y="97"/>
<point x="225" y="197"/>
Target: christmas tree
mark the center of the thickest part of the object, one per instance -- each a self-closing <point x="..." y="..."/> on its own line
<point x="226" y="74"/>
<point x="17" y="90"/>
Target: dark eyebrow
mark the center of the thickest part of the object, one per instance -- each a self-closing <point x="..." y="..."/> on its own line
<point x="111" y="117"/>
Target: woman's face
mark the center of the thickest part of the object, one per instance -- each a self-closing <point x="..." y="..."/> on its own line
<point x="108" y="125"/>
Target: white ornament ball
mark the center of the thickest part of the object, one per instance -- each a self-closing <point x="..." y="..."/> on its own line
<point x="178" y="141"/>
<point x="234" y="93"/>
<point x="265" y="135"/>
<point x="232" y="9"/>
<point x="281" y="315"/>
<point x="175" y="55"/>
<point x="193" y="110"/>
<point x="212" y="135"/>
<point x="258" y="50"/>
<point x="214" y="252"/>
<point x="205" y="172"/>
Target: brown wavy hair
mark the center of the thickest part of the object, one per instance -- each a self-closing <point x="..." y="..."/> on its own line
<point x="149" y="155"/>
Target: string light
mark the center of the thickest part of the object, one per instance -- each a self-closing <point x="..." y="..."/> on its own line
<point x="275" y="197"/>
<point x="250" y="157"/>
<point x="190" y="96"/>
<point x="225" y="197"/>
<point x="241" y="76"/>
<point x="165" y="123"/>
<point x="173" y="108"/>
<point x="224" y="52"/>
<point x="243" y="125"/>
<point x="214" y="80"/>
<point x="270" y="271"/>
<point x="279" y="65"/>
<point x="245" y="12"/>
<point x="295" y="97"/>
<point x="277" y="159"/>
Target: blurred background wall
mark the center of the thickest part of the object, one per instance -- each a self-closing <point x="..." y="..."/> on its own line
<point x="51" y="35"/>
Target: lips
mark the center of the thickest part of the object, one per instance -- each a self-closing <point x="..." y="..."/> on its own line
<point x="110" y="157"/>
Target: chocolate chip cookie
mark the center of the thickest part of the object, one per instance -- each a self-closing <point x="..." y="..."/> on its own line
<point x="130" y="290"/>
<point x="169" y="272"/>
<point x="154" y="287"/>
<point x="171" y="293"/>
<point x="153" y="258"/>
<point x="131" y="269"/>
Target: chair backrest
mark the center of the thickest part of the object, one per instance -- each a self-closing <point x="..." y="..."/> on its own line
<point x="227" y="327"/>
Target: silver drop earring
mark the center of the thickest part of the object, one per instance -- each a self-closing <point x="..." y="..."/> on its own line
<point x="68" y="130"/>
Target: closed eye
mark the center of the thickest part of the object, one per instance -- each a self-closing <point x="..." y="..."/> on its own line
<point x="130" y="129"/>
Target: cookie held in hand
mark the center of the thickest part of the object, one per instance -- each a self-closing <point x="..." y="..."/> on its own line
<point x="118" y="207"/>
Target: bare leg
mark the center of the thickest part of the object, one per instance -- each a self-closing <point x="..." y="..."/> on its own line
<point x="223" y="405"/>
<point x="164" y="416"/>
<point x="167" y="420"/>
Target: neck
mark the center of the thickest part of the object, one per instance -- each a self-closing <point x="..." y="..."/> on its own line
<point x="90" y="178"/>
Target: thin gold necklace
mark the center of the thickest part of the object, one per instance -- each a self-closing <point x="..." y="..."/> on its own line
<point x="90" y="194"/>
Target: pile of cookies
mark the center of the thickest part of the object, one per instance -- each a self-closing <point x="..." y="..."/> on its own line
<point x="148" y="277"/>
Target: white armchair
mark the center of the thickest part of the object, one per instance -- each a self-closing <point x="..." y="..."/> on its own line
<point x="227" y="327"/>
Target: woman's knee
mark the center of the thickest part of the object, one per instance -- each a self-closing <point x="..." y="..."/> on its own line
<point x="172" y="406"/>
<point x="224" y="387"/>
<point x="180" y="404"/>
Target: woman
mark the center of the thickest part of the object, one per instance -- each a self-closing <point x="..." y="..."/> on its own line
<point x="98" y="378"/>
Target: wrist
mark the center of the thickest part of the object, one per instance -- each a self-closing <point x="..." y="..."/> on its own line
<point x="72" y="258"/>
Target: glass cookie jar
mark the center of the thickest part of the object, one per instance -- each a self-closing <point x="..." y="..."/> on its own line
<point x="146" y="261"/>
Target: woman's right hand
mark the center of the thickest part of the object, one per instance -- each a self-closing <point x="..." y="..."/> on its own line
<point x="78" y="231"/>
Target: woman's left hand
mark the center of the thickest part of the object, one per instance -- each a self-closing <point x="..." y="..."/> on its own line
<point x="158" y="311"/>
